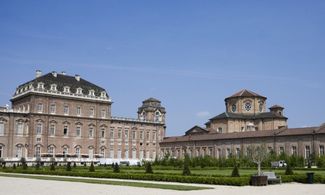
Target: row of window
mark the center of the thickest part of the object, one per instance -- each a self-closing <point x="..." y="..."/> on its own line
<point x="66" y="110"/>
<point x="90" y="154"/>
<point x="66" y="89"/>
<point x="91" y="132"/>
<point x="209" y="151"/>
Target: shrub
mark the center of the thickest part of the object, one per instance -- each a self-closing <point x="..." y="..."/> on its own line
<point x="289" y="170"/>
<point x="116" y="168"/>
<point x="235" y="171"/>
<point x="52" y="167"/>
<point x="68" y="168"/>
<point x="23" y="163"/>
<point x="74" y="164"/>
<point x="14" y="166"/>
<point x="186" y="168"/>
<point x="92" y="167"/>
<point x="148" y="168"/>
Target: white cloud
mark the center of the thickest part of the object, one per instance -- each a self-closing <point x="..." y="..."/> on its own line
<point x="203" y="114"/>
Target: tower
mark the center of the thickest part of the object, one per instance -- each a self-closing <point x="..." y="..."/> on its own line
<point x="151" y="110"/>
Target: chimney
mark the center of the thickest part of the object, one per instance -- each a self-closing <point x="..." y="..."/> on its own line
<point x="77" y="77"/>
<point x="38" y="73"/>
<point x="54" y="74"/>
<point x="63" y="73"/>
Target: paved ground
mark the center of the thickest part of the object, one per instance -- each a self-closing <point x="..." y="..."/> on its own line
<point x="22" y="186"/>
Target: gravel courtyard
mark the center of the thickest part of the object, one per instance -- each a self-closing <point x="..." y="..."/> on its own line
<point x="24" y="186"/>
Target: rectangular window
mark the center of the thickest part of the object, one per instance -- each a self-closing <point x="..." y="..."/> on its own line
<point x="133" y="135"/>
<point x="65" y="130"/>
<point x="321" y="150"/>
<point x="111" y="134"/>
<point x="39" y="129"/>
<point x="1" y="151"/>
<point x="78" y="152"/>
<point x="281" y="150"/>
<point x="92" y="112"/>
<point x="78" y="111"/>
<point x="91" y="153"/>
<point x="66" y="110"/>
<point x="78" y="131"/>
<point x="52" y="109"/>
<point x="111" y="153"/>
<point x="134" y="154"/>
<point x="51" y="151"/>
<point x="52" y="130"/>
<point x="19" y="152"/>
<point x="20" y="128"/>
<point x="91" y="132"/>
<point x="141" y="135"/>
<point x="102" y="152"/>
<point x="154" y="136"/>
<point x="126" y="154"/>
<point x="103" y="113"/>
<point x="39" y="108"/>
<point x="294" y="150"/>
<point x="2" y="129"/>
<point x="103" y="133"/>
<point x="126" y="134"/>
<point x="119" y="134"/>
<point x="148" y="136"/>
<point x="38" y="152"/>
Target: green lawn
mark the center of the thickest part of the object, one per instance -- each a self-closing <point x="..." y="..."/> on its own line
<point x="109" y="182"/>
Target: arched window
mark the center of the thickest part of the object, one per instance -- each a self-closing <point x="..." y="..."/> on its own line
<point x="2" y="129"/>
<point x="78" y="149"/>
<point x="91" y="152"/>
<point x="102" y="152"/>
<point x="38" y="151"/>
<point x="51" y="150"/>
<point x="39" y="128"/>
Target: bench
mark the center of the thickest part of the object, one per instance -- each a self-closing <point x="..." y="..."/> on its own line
<point x="272" y="178"/>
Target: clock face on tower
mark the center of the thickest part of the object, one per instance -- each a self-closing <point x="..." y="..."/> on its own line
<point x="233" y="108"/>
<point x="248" y="106"/>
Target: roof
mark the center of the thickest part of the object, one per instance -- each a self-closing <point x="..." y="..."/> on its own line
<point x="245" y="93"/>
<point x="276" y="106"/>
<point x="62" y="80"/>
<point x="151" y="100"/>
<point x="241" y="135"/>
<point x="196" y="130"/>
<point x="262" y="115"/>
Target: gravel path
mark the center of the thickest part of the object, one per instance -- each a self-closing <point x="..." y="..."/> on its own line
<point x="22" y="186"/>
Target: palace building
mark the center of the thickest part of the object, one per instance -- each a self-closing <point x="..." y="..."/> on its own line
<point x="69" y="118"/>
<point x="245" y="122"/>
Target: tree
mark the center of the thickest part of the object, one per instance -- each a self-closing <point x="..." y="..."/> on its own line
<point x="92" y="167"/>
<point x="288" y="170"/>
<point x="23" y="163"/>
<point x="186" y="167"/>
<point x="235" y="171"/>
<point x="38" y="163"/>
<point x="116" y="168"/>
<point x="74" y="164"/>
<point x="68" y="168"/>
<point x="148" y="167"/>
<point x="14" y="166"/>
<point x="52" y="166"/>
<point x="257" y="154"/>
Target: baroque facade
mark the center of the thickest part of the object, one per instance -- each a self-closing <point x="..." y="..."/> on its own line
<point x="246" y="122"/>
<point x="67" y="117"/>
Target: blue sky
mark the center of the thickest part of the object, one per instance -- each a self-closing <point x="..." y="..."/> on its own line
<point x="189" y="54"/>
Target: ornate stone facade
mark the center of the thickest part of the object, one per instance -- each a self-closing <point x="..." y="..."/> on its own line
<point x="67" y="117"/>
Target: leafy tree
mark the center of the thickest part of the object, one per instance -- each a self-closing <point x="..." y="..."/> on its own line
<point x="186" y="167"/>
<point x="68" y="168"/>
<point x="92" y="167"/>
<point x="235" y="171"/>
<point x="257" y="154"/>
<point x="289" y="170"/>
<point x="148" y="168"/>
<point x="116" y="168"/>
<point x="23" y="163"/>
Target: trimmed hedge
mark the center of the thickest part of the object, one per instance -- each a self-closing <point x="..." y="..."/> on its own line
<point x="239" y="181"/>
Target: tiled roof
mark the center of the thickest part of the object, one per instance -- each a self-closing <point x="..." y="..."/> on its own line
<point x="196" y="130"/>
<point x="240" y="135"/>
<point x="262" y="115"/>
<point x="245" y="93"/>
<point x="276" y="106"/>
<point x="62" y="80"/>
